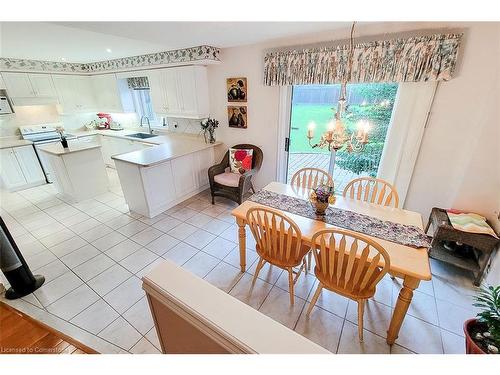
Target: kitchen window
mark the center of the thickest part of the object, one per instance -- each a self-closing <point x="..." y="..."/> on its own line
<point x="140" y="97"/>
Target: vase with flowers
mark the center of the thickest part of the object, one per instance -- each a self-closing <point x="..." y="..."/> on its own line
<point x="208" y="127"/>
<point x="321" y="197"/>
<point x="64" y="141"/>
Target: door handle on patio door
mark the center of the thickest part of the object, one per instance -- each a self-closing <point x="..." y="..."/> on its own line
<point x="287" y="144"/>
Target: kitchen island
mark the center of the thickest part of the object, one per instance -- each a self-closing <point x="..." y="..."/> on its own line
<point x="78" y="170"/>
<point x="157" y="178"/>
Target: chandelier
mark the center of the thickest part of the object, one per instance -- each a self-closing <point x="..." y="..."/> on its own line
<point x="336" y="135"/>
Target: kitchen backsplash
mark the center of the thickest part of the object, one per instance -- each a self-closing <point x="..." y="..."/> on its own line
<point x="31" y="115"/>
<point x="184" y="125"/>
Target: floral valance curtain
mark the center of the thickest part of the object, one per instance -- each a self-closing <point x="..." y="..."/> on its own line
<point x="427" y="58"/>
<point x="138" y="83"/>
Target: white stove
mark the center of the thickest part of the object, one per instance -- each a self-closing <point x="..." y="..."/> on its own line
<point x="42" y="135"/>
<point x="45" y="133"/>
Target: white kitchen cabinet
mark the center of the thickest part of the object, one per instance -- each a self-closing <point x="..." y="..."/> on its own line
<point x="116" y="146"/>
<point x="29" y="164"/>
<point x="18" y="85"/>
<point x="156" y="79"/>
<point x="184" y="174"/>
<point x="42" y="84"/>
<point x="20" y="168"/>
<point x="75" y="93"/>
<point x="106" y="93"/>
<point x="180" y="91"/>
<point x="24" y="85"/>
<point x="12" y="176"/>
<point x="203" y="160"/>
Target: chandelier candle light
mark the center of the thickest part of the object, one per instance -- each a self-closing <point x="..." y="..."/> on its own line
<point x="336" y="136"/>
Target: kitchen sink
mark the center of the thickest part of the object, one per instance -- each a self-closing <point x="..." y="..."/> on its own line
<point x="142" y="135"/>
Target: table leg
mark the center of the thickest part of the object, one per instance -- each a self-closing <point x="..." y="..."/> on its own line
<point x="242" y="236"/>
<point x="402" y="305"/>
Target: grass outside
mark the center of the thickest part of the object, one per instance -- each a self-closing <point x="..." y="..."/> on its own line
<point x="302" y="114"/>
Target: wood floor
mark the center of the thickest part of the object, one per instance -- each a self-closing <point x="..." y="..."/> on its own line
<point x="20" y="334"/>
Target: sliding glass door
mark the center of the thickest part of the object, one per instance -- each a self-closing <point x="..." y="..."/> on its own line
<point x="373" y="102"/>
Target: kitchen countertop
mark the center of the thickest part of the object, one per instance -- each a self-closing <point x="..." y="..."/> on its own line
<point x="171" y="149"/>
<point x="167" y="146"/>
<point x="57" y="148"/>
<point x="10" y="143"/>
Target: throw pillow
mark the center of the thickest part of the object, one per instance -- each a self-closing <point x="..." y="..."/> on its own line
<point x="240" y="160"/>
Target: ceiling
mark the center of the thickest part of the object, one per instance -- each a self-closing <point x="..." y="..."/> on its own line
<point x="95" y="41"/>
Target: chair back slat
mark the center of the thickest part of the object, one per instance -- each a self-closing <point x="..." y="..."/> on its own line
<point x="278" y="237"/>
<point x="372" y="190"/>
<point x="341" y="267"/>
<point x="311" y="178"/>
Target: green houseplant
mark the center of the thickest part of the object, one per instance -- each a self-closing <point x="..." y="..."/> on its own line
<point x="482" y="335"/>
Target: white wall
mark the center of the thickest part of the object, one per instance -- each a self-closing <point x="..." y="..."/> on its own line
<point x="450" y="151"/>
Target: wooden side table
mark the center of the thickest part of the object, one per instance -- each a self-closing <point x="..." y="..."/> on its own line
<point x="483" y="245"/>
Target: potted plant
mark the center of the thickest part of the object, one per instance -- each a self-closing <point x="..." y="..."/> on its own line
<point x="482" y="335"/>
<point x="208" y="127"/>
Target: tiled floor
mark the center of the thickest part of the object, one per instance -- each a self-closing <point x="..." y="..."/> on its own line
<point x="93" y="254"/>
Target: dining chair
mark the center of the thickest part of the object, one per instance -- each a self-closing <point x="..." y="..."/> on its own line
<point x="311" y="178"/>
<point x="372" y="190"/>
<point x="278" y="242"/>
<point x="344" y="269"/>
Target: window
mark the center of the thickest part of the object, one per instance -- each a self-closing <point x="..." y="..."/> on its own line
<point x="143" y="105"/>
<point x="372" y="101"/>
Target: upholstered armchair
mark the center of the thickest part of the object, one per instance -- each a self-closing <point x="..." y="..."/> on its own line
<point x="232" y="185"/>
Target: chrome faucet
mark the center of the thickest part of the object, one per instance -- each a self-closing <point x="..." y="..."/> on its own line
<point x="149" y="125"/>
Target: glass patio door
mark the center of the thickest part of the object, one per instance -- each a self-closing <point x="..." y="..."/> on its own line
<point x="373" y="102"/>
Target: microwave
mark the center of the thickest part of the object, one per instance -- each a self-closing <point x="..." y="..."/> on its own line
<point x="5" y="106"/>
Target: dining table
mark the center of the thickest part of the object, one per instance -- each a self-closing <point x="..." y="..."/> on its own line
<point x="409" y="264"/>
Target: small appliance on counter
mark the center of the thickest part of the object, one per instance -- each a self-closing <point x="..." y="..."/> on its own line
<point x="115" y="126"/>
<point x="106" y="119"/>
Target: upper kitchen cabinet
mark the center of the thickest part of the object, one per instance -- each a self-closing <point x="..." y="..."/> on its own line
<point x="28" y="88"/>
<point x="180" y="91"/>
<point x="106" y="93"/>
<point x="75" y="93"/>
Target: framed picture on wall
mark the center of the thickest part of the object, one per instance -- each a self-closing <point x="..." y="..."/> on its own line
<point x="236" y="89"/>
<point x="237" y="117"/>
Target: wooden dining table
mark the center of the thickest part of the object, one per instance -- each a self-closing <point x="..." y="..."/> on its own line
<point x="407" y="263"/>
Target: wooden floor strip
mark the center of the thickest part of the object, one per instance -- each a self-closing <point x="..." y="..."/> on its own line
<point x="21" y="334"/>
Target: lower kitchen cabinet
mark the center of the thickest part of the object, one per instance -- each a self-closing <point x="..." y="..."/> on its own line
<point x="20" y="168"/>
<point x="115" y="146"/>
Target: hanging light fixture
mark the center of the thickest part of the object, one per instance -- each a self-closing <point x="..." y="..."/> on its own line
<point x="336" y="135"/>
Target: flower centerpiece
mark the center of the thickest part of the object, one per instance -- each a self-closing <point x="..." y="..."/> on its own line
<point x="64" y="141"/>
<point x="208" y="127"/>
<point x="321" y="197"/>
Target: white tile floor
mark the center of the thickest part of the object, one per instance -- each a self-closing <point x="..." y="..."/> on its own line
<point x="93" y="254"/>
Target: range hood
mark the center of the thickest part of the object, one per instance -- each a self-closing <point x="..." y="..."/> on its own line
<point x="5" y="104"/>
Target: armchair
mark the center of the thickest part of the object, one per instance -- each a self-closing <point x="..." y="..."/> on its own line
<point x="232" y="185"/>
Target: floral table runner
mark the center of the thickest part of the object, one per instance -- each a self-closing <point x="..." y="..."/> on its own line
<point x="407" y="235"/>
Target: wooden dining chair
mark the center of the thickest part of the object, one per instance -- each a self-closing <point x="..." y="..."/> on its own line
<point x="311" y="178"/>
<point x="349" y="264"/>
<point x="372" y="190"/>
<point x="278" y="242"/>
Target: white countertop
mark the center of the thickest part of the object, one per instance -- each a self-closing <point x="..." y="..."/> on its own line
<point x="168" y="146"/>
<point x="172" y="147"/>
<point x="58" y="149"/>
<point x="12" y="142"/>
